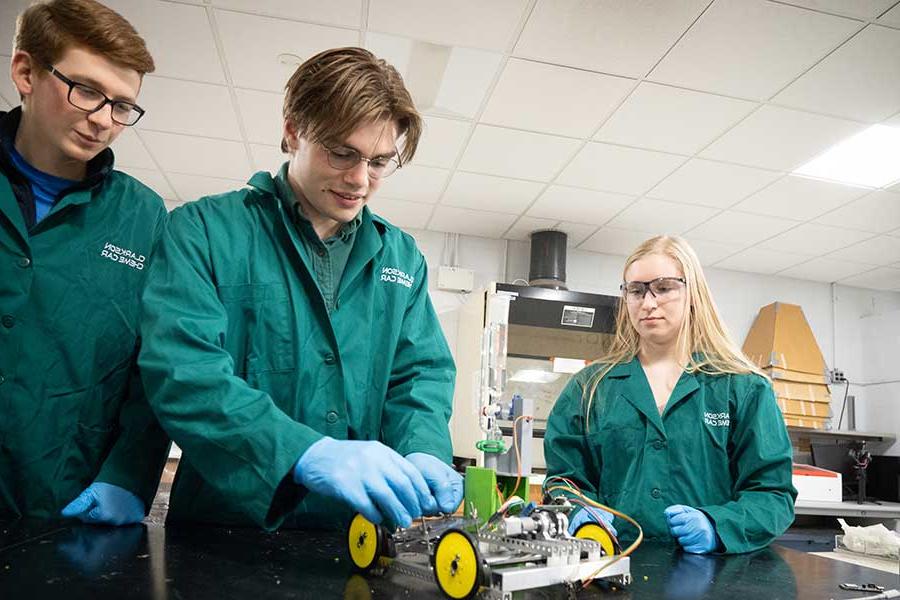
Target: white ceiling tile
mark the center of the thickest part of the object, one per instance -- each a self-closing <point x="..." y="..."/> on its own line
<point x="178" y="36"/>
<point x="710" y="253"/>
<point x="658" y="215"/>
<point x="882" y="250"/>
<point x="519" y="154"/>
<point x="878" y="212"/>
<point x="402" y="213"/>
<point x="198" y="156"/>
<point x="261" y="114"/>
<point x="441" y="142"/>
<point x="253" y="44"/>
<point x="193" y="187"/>
<point x="860" y="80"/>
<point x="711" y="183"/>
<point x="814" y="240"/>
<point x="622" y="38"/>
<point x="864" y="9"/>
<point x="780" y="138"/>
<point x="750" y="48"/>
<point x="621" y="242"/>
<point x="882" y="278"/>
<point x="800" y="198"/>
<point x="130" y="152"/>
<point x="153" y="179"/>
<point x="760" y="260"/>
<point x="470" y="222"/>
<point x="732" y="227"/>
<point x="578" y="205"/>
<point x="553" y="99"/>
<point x="523" y="228"/>
<point x="576" y="232"/>
<point x="443" y="80"/>
<point x="333" y="12"/>
<point x="267" y="158"/>
<point x="891" y="17"/>
<point x="618" y="169"/>
<point x="473" y="23"/>
<point x="488" y="192"/>
<point x="188" y="107"/>
<point x="824" y="269"/>
<point x="670" y="119"/>
<point x="417" y="184"/>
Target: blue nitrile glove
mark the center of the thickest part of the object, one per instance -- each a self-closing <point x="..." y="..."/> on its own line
<point x="368" y="476"/>
<point x="446" y="484"/>
<point x="584" y="516"/>
<point x="692" y="528"/>
<point x="106" y="504"/>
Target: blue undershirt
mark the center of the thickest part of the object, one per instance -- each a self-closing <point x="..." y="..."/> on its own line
<point x="45" y="187"/>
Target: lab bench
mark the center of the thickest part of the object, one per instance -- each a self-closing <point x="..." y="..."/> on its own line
<point x="40" y="560"/>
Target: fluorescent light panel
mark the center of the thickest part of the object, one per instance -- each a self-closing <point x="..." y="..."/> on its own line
<point x="870" y="158"/>
<point x="534" y="376"/>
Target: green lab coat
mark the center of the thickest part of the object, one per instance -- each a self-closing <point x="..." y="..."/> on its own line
<point x="720" y="446"/>
<point x="72" y="409"/>
<point x="246" y="368"/>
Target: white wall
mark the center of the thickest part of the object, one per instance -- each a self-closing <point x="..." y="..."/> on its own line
<point x="858" y="330"/>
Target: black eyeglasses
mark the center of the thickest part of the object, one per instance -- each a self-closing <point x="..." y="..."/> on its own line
<point x="344" y="158"/>
<point x="90" y="100"/>
<point x="661" y="288"/>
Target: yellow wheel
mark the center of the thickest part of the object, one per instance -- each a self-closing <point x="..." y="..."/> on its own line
<point x="364" y="541"/>
<point x="457" y="565"/>
<point x="598" y="533"/>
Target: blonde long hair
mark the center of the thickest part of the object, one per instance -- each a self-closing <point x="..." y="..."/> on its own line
<point x="702" y="336"/>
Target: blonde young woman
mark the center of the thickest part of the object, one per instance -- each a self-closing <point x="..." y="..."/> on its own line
<point x="675" y="427"/>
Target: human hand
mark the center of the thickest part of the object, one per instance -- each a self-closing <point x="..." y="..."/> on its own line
<point x="446" y="484"/>
<point x="369" y="477"/>
<point x="105" y="504"/>
<point x="691" y="528"/>
<point x="590" y="516"/>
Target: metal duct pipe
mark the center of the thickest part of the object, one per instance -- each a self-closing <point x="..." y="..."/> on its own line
<point x="548" y="260"/>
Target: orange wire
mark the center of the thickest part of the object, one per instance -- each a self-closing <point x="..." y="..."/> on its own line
<point x="585" y="501"/>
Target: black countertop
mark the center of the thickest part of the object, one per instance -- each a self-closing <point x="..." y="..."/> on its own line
<point x="41" y="560"/>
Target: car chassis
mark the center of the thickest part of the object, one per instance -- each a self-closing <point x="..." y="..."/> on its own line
<point x="465" y="558"/>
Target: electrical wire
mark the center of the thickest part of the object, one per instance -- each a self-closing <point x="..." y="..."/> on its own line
<point x="571" y="488"/>
<point x="843" y="403"/>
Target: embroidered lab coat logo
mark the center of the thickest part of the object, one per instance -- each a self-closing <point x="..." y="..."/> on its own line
<point x="395" y="275"/>
<point x="722" y="419"/>
<point x="123" y="256"/>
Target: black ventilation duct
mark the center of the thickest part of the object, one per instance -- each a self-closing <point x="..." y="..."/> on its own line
<point x="548" y="260"/>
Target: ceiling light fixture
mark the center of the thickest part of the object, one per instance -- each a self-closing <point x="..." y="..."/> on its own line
<point x="870" y="158"/>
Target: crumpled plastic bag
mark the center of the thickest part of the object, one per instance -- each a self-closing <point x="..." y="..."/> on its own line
<point x="876" y="540"/>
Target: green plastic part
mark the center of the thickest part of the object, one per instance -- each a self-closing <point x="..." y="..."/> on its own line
<point x="491" y="446"/>
<point x="481" y="499"/>
<point x="481" y="492"/>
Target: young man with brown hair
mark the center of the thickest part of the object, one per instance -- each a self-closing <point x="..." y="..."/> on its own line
<point x="290" y="346"/>
<point x="76" y="432"/>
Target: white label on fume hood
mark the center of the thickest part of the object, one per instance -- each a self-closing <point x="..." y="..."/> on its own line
<point x="578" y="316"/>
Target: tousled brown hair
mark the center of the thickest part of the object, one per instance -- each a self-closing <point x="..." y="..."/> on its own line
<point x="333" y="93"/>
<point x="47" y="29"/>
